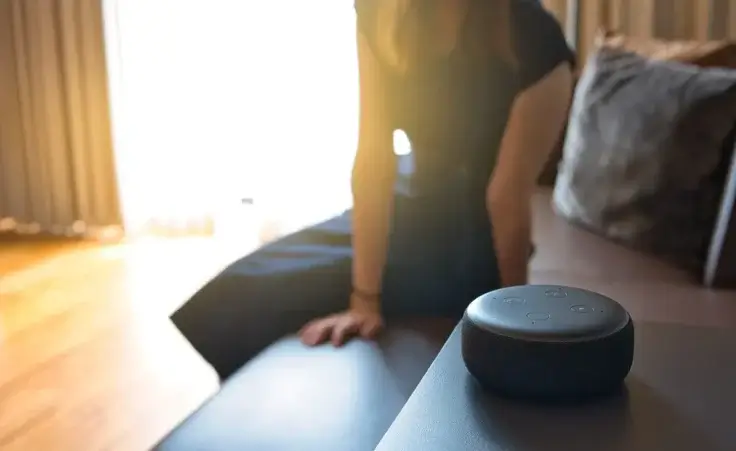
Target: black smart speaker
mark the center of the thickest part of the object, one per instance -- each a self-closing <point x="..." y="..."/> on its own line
<point x="548" y="343"/>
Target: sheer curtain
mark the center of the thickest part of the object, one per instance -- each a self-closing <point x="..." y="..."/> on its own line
<point x="231" y="115"/>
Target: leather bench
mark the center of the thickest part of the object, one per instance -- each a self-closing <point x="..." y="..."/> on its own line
<point x="292" y="398"/>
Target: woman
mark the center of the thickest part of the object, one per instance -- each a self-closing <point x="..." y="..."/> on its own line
<point x="482" y="89"/>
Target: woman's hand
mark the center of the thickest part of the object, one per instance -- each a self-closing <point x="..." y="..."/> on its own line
<point x="363" y="319"/>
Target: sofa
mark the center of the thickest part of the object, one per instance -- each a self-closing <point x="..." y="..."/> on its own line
<point x="717" y="266"/>
<point x="294" y="398"/>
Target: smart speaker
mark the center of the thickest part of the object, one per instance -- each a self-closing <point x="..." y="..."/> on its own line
<point x="547" y="343"/>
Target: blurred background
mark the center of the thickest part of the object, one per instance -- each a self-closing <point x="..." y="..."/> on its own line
<point x="181" y="117"/>
<point x="175" y="117"/>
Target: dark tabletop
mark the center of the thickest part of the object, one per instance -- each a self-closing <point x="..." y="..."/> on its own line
<point x="680" y="396"/>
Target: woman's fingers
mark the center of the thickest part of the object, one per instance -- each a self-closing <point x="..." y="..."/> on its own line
<point x="316" y="332"/>
<point x="344" y="328"/>
<point x="339" y="328"/>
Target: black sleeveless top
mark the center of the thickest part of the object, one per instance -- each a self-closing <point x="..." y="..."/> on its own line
<point x="454" y="113"/>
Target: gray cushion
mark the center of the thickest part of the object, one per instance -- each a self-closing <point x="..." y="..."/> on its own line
<point x="643" y="152"/>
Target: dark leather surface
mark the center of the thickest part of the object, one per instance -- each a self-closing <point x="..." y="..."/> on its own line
<point x="680" y="396"/>
<point x="323" y="399"/>
<point x="648" y="288"/>
<point x="292" y="398"/>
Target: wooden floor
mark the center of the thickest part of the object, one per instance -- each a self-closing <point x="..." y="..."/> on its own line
<point x="88" y="359"/>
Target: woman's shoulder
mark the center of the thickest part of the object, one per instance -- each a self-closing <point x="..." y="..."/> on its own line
<point x="540" y="44"/>
<point x="531" y="16"/>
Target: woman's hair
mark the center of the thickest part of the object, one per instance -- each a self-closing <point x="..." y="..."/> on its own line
<point x="404" y="25"/>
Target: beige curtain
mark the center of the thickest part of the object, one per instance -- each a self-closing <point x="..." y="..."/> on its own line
<point x="56" y="159"/>
<point x="668" y="19"/>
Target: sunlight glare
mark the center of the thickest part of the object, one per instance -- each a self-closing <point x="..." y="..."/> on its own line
<point x="222" y="100"/>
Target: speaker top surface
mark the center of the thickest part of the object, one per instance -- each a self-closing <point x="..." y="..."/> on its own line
<point x="547" y="313"/>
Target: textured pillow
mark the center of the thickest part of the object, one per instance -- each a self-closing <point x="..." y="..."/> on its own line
<point x="642" y="152"/>
<point x="699" y="53"/>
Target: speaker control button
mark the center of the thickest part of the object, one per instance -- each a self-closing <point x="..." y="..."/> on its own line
<point x="580" y="309"/>
<point x="538" y="316"/>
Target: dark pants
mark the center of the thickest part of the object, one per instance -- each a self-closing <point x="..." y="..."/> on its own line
<point x="277" y="289"/>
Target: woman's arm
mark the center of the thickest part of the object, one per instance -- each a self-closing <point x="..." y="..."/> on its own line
<point x="374" y="173"/>
<point x="535" y="123"/>
<point x="373" y="177"/>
